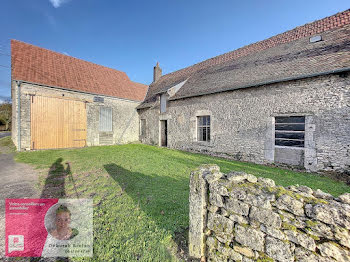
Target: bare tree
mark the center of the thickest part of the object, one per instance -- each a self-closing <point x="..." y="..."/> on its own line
<point x="6" y="114"/>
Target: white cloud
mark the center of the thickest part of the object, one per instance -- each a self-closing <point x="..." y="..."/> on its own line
<point x="58" y="3"/>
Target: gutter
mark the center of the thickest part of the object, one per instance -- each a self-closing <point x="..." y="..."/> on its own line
<point x="18" y="115"/>
<point x="268" y="82"/>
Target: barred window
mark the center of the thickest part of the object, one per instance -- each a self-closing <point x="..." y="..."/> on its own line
<point x="203" y="123"/>
<point x="106" y="119"/>
<point x="290" y="131"/>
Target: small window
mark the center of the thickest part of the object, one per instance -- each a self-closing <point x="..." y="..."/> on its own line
<point x="203" y="128"/>
<point x="163" y="103"/>
<point x="143" y="127"/>
<point x="290" y="131"/>
<point x="106" y="119"/>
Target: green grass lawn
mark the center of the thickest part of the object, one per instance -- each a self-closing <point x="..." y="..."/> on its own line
<point x="6" y="145"/>
<point x="140" y="193"/>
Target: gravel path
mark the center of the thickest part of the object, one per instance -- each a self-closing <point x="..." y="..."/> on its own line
<point x="17" y="180"/>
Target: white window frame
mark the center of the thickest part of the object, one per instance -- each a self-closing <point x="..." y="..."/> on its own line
<point x="205" y="126"/>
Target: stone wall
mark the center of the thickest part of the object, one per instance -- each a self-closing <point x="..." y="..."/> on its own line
<point x="242" y="123"/>
<point x="125" y="118"/>
<point x="239" y="217"/>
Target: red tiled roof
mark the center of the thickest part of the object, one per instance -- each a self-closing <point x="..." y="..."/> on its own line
<point x="254" y="51"/>
<point x="38" y="65"/>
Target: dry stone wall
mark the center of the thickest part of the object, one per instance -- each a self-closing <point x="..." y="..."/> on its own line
<point x="239" y="217"/>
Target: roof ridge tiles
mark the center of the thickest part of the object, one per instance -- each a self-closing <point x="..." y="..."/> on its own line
<point x="80" y="59"/>
<point x="325" y="24"/>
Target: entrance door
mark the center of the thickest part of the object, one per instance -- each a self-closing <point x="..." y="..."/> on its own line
<point x="164" y="133"/>
<point x="57" y="123"/>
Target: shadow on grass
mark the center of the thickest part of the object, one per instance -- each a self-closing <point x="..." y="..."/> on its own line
<point x="163" y="198"/>
<point x="54" y="187"/>
<point x="55" y="180"/>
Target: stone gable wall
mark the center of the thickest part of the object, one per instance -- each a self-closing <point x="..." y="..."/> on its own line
<point x="239" y="217"/>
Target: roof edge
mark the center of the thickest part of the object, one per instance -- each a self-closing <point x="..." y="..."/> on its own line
<point x="76" y="91"/>
<point x="347" y="69"/>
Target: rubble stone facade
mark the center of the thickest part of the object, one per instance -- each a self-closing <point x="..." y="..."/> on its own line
<point x="243" y="123"/>
<point x="239" y="217"/>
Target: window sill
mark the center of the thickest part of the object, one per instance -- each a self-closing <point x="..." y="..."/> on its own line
<point x="291" y="147"/>
<point x="204" y="143"/>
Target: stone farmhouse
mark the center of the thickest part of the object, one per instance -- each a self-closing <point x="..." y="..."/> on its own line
<point x="283" y="100"/>
<point x="64" y="102"/>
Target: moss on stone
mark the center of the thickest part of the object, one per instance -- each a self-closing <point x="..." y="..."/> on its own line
<point x="311" y="223"/>
<point x="285" y="241"/>
<point x="288" y="226"/>
<point x="312" y="200"/>
<point x="335" y="244"/>
<point x="247" y="184"/>
<point x="280" y="191"/>
<point x="270" y="189"/>
<point x="316" y="238"/>
<point x="264" y="258"/>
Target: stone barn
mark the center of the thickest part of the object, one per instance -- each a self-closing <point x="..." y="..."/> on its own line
<point x="283" y="100"/>
<point x="64" y="102"/>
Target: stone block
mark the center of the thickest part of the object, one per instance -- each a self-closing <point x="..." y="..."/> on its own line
<point x="276" y="233"/>
<point x="330" y="249"/>
<point x="279" y="250"/>
<point x="219" y="223"/>
<point x="286" y="202"/>
<point x="237" y="207"/>
<point x="265" y="216"/>
<point x="249" y="237"/>
<point x="301" y="239"/>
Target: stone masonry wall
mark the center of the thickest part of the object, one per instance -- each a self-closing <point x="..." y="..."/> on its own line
<point x="239" y="217"/>
<point x="242" y="123"/>
<point x="125" y="118"/>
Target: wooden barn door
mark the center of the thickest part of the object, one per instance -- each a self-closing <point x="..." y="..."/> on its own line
<point x="57" y="123"/>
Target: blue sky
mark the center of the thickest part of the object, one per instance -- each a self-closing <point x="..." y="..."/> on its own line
<point x="132" y="35"/>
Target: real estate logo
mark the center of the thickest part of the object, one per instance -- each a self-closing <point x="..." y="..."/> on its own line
<point x="16" y="243"/>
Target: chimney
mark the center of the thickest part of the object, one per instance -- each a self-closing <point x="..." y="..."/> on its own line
<point x="157" y="72"/>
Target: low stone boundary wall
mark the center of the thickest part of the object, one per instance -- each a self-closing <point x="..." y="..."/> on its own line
<point x="239" y="217"/>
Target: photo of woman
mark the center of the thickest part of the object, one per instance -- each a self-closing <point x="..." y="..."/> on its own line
<point x="62" y="230"/>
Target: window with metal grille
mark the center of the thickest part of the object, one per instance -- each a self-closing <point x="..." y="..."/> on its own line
<point x="106" y="119"/>
<point x="143" y="127"/>
<point x="203" y="123"/>
<point x="290" y="131"/>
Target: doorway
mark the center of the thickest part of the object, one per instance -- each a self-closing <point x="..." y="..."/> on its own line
<point x="164" y="133"/>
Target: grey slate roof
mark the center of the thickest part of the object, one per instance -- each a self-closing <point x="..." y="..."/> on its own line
<point x="291" y="60"/>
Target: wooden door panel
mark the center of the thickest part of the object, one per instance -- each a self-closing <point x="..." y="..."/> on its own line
<point x="57" y="123"/>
